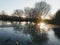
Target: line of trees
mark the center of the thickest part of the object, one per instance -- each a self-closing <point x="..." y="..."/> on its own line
<point x="56" y="20"/>
<point x="41" y="8"/>
<point x="32" y="14"/>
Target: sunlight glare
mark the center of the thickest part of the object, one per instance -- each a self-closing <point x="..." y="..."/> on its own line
<point x="44" y="26"/>
<point x="23" y="16"/>
<point x="49" y="17"/>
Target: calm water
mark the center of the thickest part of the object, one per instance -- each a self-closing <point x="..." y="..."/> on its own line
<point x="27" y="34"/>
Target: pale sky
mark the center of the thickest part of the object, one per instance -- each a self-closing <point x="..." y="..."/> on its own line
<point x="10" y="5"/>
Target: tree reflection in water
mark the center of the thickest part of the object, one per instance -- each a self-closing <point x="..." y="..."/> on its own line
<point x="57" y="32"/>
<point x="28" y="33"/>
<point x="33" y="31"/>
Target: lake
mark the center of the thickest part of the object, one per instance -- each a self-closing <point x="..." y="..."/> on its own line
<point x="27" y="33"/>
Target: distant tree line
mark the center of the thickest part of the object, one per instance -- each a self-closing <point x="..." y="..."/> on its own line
<point x="41" y="8"/>
<point x="32" y="14"/>
<point x="56" y="20"/>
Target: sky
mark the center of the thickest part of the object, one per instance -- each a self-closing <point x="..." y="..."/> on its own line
<point x="10" y="5"/>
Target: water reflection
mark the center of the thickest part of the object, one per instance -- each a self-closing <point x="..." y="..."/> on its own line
<point x="25" y="33"/>
<point x="57" y="32"/>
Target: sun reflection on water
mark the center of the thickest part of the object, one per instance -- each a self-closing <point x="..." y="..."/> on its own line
<point x="43" y="27"/>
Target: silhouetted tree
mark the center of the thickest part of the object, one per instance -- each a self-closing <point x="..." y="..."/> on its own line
<point x="56" y="20"/>
<point x="27" y="12"/>
<point x="33" y="13"/>
<point x="42" y="8"/>
<point x="57" y="14"/>
<point x="57" y="17"/>
<point x="18" y="12"/>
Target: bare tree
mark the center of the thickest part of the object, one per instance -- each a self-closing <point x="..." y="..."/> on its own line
<point x="18" y="12"/>
<point x="30" y="12"/>
<point x="27" y="11"/>
<point x="42" y="8"/>
<point x="3" y="13"/>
